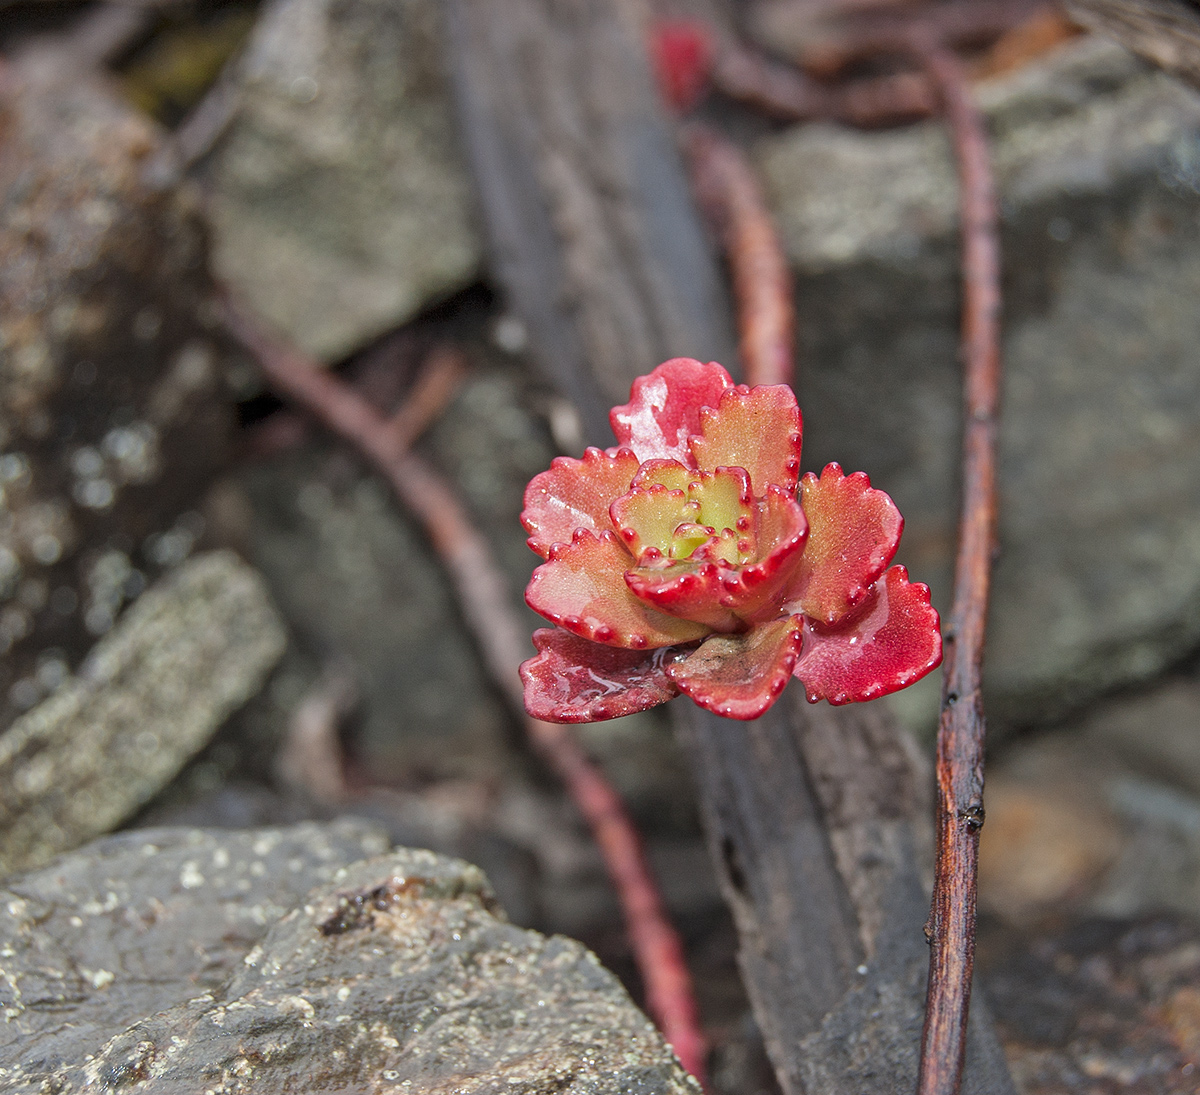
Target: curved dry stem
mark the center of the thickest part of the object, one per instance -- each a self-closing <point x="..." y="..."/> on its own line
<point x="485" y="600"/>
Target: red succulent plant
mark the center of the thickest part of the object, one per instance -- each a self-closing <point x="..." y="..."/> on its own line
<point x="693" y="558"/>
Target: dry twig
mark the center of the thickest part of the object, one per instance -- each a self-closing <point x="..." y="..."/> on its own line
<point x="486" y="604"/>
<point x="730" y="195"/>
<point x="787" y="94"/>
<point x="951" y="926"/>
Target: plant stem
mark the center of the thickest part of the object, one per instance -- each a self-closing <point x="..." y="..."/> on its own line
<point x="951" y="926"/>
<point x="732" y="199"/>
<point x="783" y="92"/>
<point x="485" y="600"/>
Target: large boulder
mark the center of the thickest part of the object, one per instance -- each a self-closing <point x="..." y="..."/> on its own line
<point x="340" y="205"/>
<point x="1098" y="164"/>
<point x="281" y="960"/>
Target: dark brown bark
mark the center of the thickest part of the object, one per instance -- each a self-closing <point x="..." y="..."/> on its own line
<point x="809" y="811"/>
<point x="586" y="208"/>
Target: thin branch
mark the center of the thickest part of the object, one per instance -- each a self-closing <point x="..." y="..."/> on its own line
<point x="487" y="605"/>
<point x="951" y="926"/>
<point x="439" y="378"/>
<point x="787" y="94"/>
<point x="731" y="197"/>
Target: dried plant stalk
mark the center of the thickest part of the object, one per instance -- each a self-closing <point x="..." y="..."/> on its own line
<point x="951" y="926"/>
<point x="730" y="195"/>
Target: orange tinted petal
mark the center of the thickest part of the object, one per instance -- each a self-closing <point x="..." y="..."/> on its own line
<point x="575" y="494"/>
<point x="753" y="428"/>
<point x="740" y="676"/>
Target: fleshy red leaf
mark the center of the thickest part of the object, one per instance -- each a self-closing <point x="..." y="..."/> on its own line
<point x="740" y="676"/>
<point x="574" y="680"/>
<point x="753" y="428"/>
<point x="575" y="494"/>
<point x="668" y="473"/>
<point x="581" y="587"/>
<point x="853" y="532"/>
<point x="691" y="590"/>
<point x="664" y="408"/>
<point x="893" y="643"/>
<point x="724" y="597"/>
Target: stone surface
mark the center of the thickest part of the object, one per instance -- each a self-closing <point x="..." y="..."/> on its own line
<point x="1098" y="1007"/>
<point x="1098" y="163"/>
<point x="1156" y="732"/>
<point x="1100" y="817"/>
<point x="112" y="419"/>
<point x="140" y="921"/>
<point x="340" y="206"/>
<point x="151" y="693"/>
<point x="160" y="959"/>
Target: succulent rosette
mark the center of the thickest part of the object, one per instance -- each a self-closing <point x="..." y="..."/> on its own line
<point x="692" y="558"/>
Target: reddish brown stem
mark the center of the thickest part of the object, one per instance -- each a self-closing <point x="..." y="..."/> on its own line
<point x="486" y="603"/>
<point x="436" y="383"/>
<point x="730" y="195"/>
<point x="784" y="92"/>
<point x="951" y="927"/>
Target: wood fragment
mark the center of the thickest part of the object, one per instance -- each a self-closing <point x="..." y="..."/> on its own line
<point x="583" y="197"/>
<point x="800" y="894"/>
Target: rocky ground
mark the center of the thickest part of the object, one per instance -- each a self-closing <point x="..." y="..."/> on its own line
<point x="215" y="619"/>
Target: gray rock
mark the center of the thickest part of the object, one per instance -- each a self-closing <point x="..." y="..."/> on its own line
<point x="1098" y="164"/>
<point x="1101" y="816"/>
<point x="138" y="922"/>
<point x="1088" y="1005"/>
<point x="160" y="959"/>
<point x="340" y="206"/>
<point x="112" y="415"/>
<point x="151" y="693"/>
<point x="1155" y="732"/>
